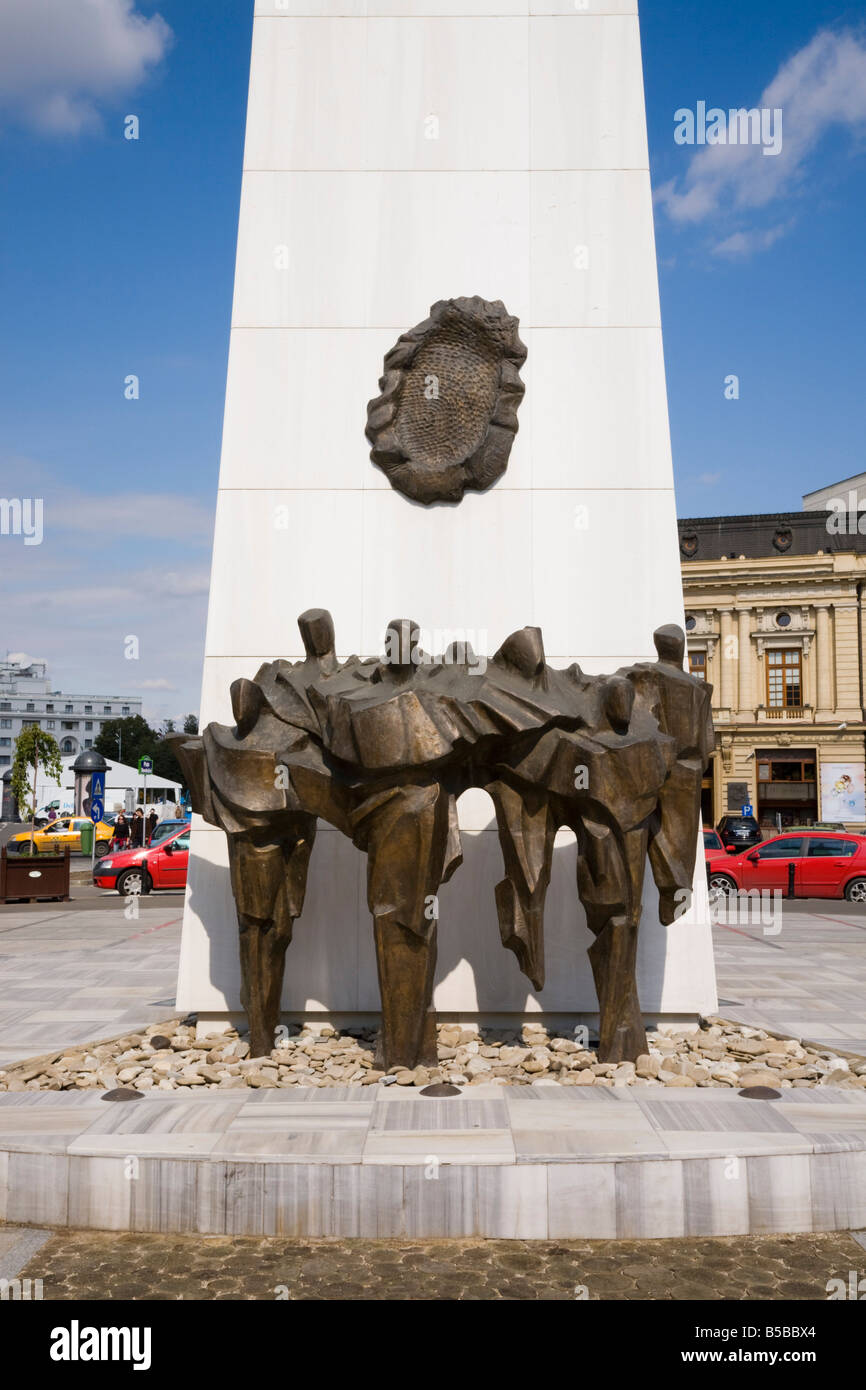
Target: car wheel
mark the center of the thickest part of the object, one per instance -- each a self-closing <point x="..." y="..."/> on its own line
<point x="721" y="886"/>
<point x="133" y="881"/>
<point x="102" y="848"/>
<point x="27" y="848"/>
<point x="856" y="891"/>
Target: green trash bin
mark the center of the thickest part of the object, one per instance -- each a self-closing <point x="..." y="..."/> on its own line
<point x="87" y="838"/>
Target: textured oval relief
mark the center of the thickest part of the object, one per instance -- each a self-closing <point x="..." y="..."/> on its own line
<point x="447" y="414"/>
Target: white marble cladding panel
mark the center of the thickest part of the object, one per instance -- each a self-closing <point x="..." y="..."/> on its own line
<point x="594" y="414"/>
<point x="416" y="9"/>
<point x="330" y="965"/>
<point x="348" y="250"/>
<point x="454" y="93"/>
<point x="498" y="561"/>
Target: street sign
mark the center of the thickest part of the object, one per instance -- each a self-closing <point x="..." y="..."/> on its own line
<point x="145" y="766"/>
<point x="97" y="785"/>
<point x="747" y="810"/>
<point x="97" y="809"/>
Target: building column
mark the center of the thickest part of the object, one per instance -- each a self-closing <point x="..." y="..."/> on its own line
<point x="847" y="661"/>
<point x="745" y="698"/>
<point x="824" y="659"/>
<point x="726" y="658"/>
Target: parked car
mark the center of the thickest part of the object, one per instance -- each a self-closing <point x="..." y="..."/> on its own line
<point x="164" y="828"/>
<point x="742" y="831"/>
<point x="818" y="825"/>
<point x="139" y="870"/>
<point x="66" y="830"/>
<point x="825" y="865"/>
<point x="712" y="843"/>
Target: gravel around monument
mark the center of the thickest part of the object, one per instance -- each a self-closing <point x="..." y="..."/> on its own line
<point x="169" y="1056"/>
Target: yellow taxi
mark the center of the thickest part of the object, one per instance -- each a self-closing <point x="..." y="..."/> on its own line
<point x="57" y="834"/>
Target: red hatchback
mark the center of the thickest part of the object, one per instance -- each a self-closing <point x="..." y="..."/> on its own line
<point x="164" y="865"/>
<point x="817" y="864"/>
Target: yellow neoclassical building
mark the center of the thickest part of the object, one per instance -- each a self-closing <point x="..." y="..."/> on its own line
<point x="775" y="619"/>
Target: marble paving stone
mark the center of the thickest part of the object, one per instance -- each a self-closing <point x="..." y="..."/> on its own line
<point x="441" y="1199"/>
<point x="439" y="1114"/>
<point x="649" y="1199"/>
<point x="780" y="1196"/>
<point x="162" y="1144"/>
<point x="583" y="1120"/>
<point x="566" y="1145"/>
<point x="827" y="1119"/>
<point x="211" y="1197"/>
<point x="282" y="1119"/>
<point x="716" y="1196"/>
<point x="686" y="1143"/>
<point x="512" y="1202"/>
<point x="167" y="1117"/>
<point x="164" y="1195"/>
<point x="100" y="1191"/>
<point x="296" y="1199"/>
<point x="293" y="1145"/>
<point x="754" y="1115"/>
<point x="369" y="1202"/>
<point x="321" y="1095"/>
<point x="457" y="1146"/>
<point x="838" y="1190"/>
<point x="244" y="1198"/>
<point x="36" y="1188"/>
<point x="581" y="1201"/>
<point x="18" y="1245"/>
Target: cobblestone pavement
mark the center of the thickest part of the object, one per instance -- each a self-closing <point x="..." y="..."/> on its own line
<point x="93" y="1265"/>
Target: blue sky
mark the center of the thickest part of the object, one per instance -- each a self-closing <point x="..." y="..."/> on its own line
<point x="117" y="257"/>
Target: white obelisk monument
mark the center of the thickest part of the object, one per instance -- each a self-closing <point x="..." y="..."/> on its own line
<point x="399" y="152"/>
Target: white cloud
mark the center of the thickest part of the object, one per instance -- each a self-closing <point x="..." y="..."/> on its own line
<point x="821" y="87"/>
<point x="160" y="684"/>
<point x="60" y="59"/>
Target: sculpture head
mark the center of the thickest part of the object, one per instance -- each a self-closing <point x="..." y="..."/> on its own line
<point x="317" y="633"/>
<point x="402" y="653"/>
<point x="670" y="644"/>
<point x="617" y="702"/>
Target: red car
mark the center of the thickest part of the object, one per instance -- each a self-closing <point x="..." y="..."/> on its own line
<point x="164" y="865"/>
<point x="712" y="843"/>
<point x="810" y="864"/>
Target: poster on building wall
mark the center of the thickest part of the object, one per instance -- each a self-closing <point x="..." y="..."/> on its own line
<point x="843" y="792"/>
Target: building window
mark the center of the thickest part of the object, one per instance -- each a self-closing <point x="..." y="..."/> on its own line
<point x="69" y="724"/>
<point x="30" y="707"/>
<point x="5" y="743"/>
<point x="68" y="745"/>
<point x="5" y="759"/>
<point x="88" y="709"/>
<point x="784" y="679"/>
<point x="49" y="709"/>
<point x="5" y="704"/>
<point x="5" y="723"/>
<point x="106" y="709"/>
<point x="88" y="723"/>
<point x="698" y="665"/>
<point x="51" y="723"/>
<point x="125" y="709"/>
<point x="783" y="619"/>
<point x="691" y="622"/>
<point x="88" y="743"/>
<point x="68" y="709"/>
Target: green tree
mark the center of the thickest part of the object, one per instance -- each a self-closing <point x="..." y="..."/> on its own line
<point x="34" y="748"/>
<point x="126" y="740"/>
<point x="190" y="724"/>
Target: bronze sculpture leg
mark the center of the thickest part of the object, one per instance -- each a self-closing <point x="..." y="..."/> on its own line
<point x="268" y="882"/>
<point x="405" y="833"/>
<point x="610" y="878"/>
<point x="527" y="828"/>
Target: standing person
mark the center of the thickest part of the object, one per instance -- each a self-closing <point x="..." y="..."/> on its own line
<point x="152" y="823"/>
<point x="137" y="829"/>
<point x="120" y="840"/>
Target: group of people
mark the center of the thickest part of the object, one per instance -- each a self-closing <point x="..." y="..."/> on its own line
<point x="135" y="831"/>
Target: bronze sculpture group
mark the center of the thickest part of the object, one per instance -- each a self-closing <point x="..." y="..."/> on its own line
<point x="381" y="749"/>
